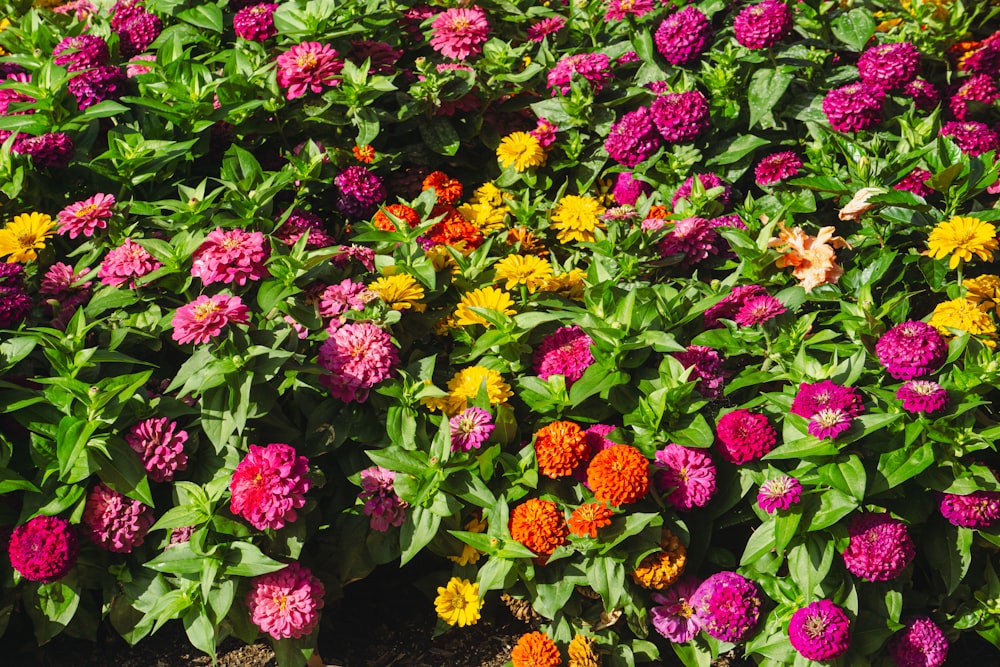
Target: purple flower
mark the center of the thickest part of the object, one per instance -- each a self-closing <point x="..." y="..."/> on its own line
<point x="889" y="65"/>
<point x="758" y="309"/>
<point x="470" y="429"/>
<point x="763" y="25"/>
<point x="301" y="222"/>
<point x="628" y="189"/>
<point x="985" y="59"/>
<point x="53" y="149"/>
<point x="727" y="606"/>
<point x="15" y="306"/>
<point x="924" y="94"/>
<point x="683" y="35"/>
<point x="777" y="167"/>
<point x="255" y="23"/>
<point x="826" y="395"/>
<point x="565" y="352"/>
<point x="633" y="138"/>
<point x="594" y="67"/>
<point x="706" y="365"/>
<point x="973" y="138"/>
<point x="880" y="547"/>
<point x="853" y="107"/>
<point x="138" y="31"/>
<point x="95" y="85"/>
<point x="380" y="500"/>
<point x="81" y="52"/>
<point x="915" y="182"/>
<point x="708" y="181"/>
<point x="820" y="631"/>
<point x="360" y="192"/>
<point x="687" y="474"/>
<point x="779" y="493"/>
<point x="673" y="616"/>
<point x="681" y="117"/>
<point x="979" y="509"/>
<point x="920" y="644"/>
<point x="381" y="56"/>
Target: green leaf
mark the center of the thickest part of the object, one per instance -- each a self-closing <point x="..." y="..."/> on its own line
<point x="854" y="28"/>
<point x="833" y="506"/>
<point x="607" y="577"/>
<point x="121" y="469"/>
<point x="735" y="149"/>
<point x="200" y="630"/>
<point x="178" y="559"/>
<point x="440" y="136"/>
<point x="494" y="574"/>
<point x="72" y="437"/>
<point x="246" y="560"/>
<point x="417" y="532"/>
<point x="847" y="475"/>
<point x="400" y="460"/>
<point x="767" y="86"/>
<point x="52" y="606"/>
<point x="898" y="465"/>
<point x="949" y="551"/>
<point x="207" y="16"/>
<point x="760" y="543"/>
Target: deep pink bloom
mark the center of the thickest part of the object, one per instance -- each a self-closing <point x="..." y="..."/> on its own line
<point x="922" y="396"/>
<point x="820" y="631"/>
<point x="57" y="283"/>
<point x="758" y="309"/>
<point x="53" y="149"/>
<point x="973" y="138"/>
<point x="731" y="304"/>
<point x="617" y="10"/>
<point x="84" y="217"/>
<point x="95" y="85"/>
<point x="180" y="536"/>
<point x="126" y="263"/>
<point x="80" y="52"/>
<point x="694" y="238"/>
<point x="346" y="295"/>
<point x="566" y="352"/>
<point x="137" y="32"/>
<point x="308" y="66"/>
<point x="544" y="132"/>
<point x="268" y="485"/>
<point x="470" y="429"/>
<point x="777" y="167"/>
<point x="911" y="349"/>
<point x="687" y="473"/>
<point x="81" y="9"/>
<point x="880" y="547"/>
<point x="683" y="35"/>
<point x="979" y="509"/>
<point x="708" y="181"/>
<point x="829" y="423"/>
<point x="779" y="493"/>
<point x="854" y="107"/>
<point x="286" y="603"/>
<point x="915" y="182"/>
<point x="381" y="503"/>
<point x="985" y="59"/>
<point x="160" y="445"/>
<point x="979" y="88"/>
<point x="363" y="254"/>
<point x="920" y="644"/>
<point x="727" y="606"/>
<point x="136" y="66"/>
<point x="204" y="318"/>
<point x="230" y="256"/>
<point x="114" y="522"/>
<point x="924" y="94"/>
<point x="255" y="23"/>
<point x="628" y="189"/>
<point x="673" y="615"/>
<point x="9" y="96"/>
<point x="44" y="549"/>
<point x="547" y="26"/>
<point x="763" y="25"/>
<point x="633" y="138"/>
<point x="681" y="117"/>
<point x="744" y="436"/>
<point x="301" y="222"/>
<point x="594" y="67"/>
<point x="361" y="192"/>
<point x="460" y="32"/>
<point x="706" y="367"/>
<point x="891" y="65"/>
<point x="381" y="56"/>
<point x="357" y="356"/>
<point x="15" y="304"/>
<point x="826" y="394"/>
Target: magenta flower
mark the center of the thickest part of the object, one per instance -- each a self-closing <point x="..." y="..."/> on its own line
<point x="744" y="436"/>
<point x="924" y="94"/>
<point x="979" y="509"/>
<point x="357" y="356"/>
<point x="915" y="182"/>
<point x="687" y="474"/>
<point x="15" y="304"/>
<point x="381" y="56"/>
<point x="633" y="138"/>
<point x="180" y="536"/>
<point x="777" y="167"/>
<point x="52" y="149"/>
<point x="256" y="22"/>
<point x="80" y="52"/>
<point x="44" y="549"/>
<point x="84" y="217"/>
<point x="628" y="189"/>
<point x="880" y="547"/>
<point x="286" y="603"/>
<point x="95" y="85"/>
<point x="230" y="256"/>
<point x="920" y="644"/>
<point x="593" y="67"/>
<point x="137" y="29"/>
<point x="890" y="65"/>
<point x="547" y="26"/>
<point x="566" y="352"/>
<point x="361" y="192"/>
<point x="204" y="318"/>
<point x="301" y="222"/>
<point x="268" y="485"/>
<point x="779" y="493"/>
<point x="826" y="395"/>
<point x="922" y="396"/>
<point x="308" y="66"/>
<point x="763" y="25"/>
<point x="683" y="35"/>
<point x="758" y="309"/>
<point x="673" y="616"/>
<point x="820" y="631"/>
<point x="708" y="181"/>
<point x="160" y="446"/>
<point x="617" y="10"/>
<point x="978" y="88"/>
<point x="381" y="503"/>
<point x="58" y="283"/>
<point x="460" y="32"/>
<point x="706" y="367"/>
<point x="911" y="349"/>
<point x="126" y="263"/>
<point x="470" y="429"/>
<point x="681" y="117"/>
<point x="694" y="238"/>
<point x="854" y="107"/>
<point x="727" y="606"/>
<point x="346" y="295"/>
<point x="731" y="304"/>
<point x="972" y="137"/>
<point x="545" y="132"/>
<point x="115" y="523"/>
<point x="829" y="423"/>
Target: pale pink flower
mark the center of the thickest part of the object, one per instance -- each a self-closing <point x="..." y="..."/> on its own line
<point x="286" y="603"/>
<point x="126" y="263"/>
<point x="230" y="256"/>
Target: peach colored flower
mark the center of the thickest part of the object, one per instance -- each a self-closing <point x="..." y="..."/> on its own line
<point x="812" y="258"/>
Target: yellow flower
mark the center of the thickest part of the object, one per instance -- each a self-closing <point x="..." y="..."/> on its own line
<point x="962" y="237"/>
<point x="441" y="258"/>
<point x="575" y="218"/>
<point x="569" y="284"/>
<point x="530" y="270"/>
<point x="25" y="234"/>
<point x="487" y="193"/>
<point x="470" y="554"/>
<point x="400" y="291"/>
<point x="940" y="10"/>
<point x="965" y="315"/>
<point x="983" y="289"/>
<point x="464" y="386"/>
<point x="581" y="652"/>
<point x="520" y="150"/>
<point x="484" y="216"/>
<point x="489" y="298"/>
<point x="660" y="569"/>
<point x="458" y="603"/>
<point x="3" y="24"/>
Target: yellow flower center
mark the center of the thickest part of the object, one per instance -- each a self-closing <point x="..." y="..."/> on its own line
<point x="203" y="310"/>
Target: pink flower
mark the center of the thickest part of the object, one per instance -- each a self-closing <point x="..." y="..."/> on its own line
<point x="204" y="318"/>
<point x="920" y="644"/>
<point x="777" y="167"/>
<point x="547" y="26"/>
<point x="565" y="352"/>
<point x="633" y="138"/>
<point x="779" y="493"/>
<point x="706" y="365"/>
<point x="922" y="396"/>
<point x="688" y="474"/>
<point x="80" y="52"/>
<point x="593" y="67"/>
<point x="268" y="485"/>
<point x="83" y="217"/>
<point x="357" y="356"/>
<point x="727" y="606"/>
<point x="286" y="603"/>
<point x="135" y="66"/>
<point x="758" y="309"/>
<point x="126" y="263"/>
<point x="230" y="256"/>
<point x="346" y="295"/>
<point x="683" y="35"/>
<point x="544" y="132"/>
<point x="979" y="509"/>
<point x="380" y="500"/>
<point x="44" y="549"/>
<point x="915" y="182"/>
<point x="763" y="25"/>
<point x="470" y="429"/>
<point x="731" y="304"/>
<point x="911" y="349"/>
<point x="255" y="23"/>
<point x="308" y="66"/>
<point x="460" y="32"/>
<point x="891" y="65"/>
<point x="681" y="117"/>
<point x="160" y="445"/>
<point x="617" y="10"/>
<point x="826" y="395"/>
<point x="829" y="423"/>
<point x="744" y="436"/>
<point x="854" y="107"/>
<point x="924" y="94"/>
<point x="708" y="181"/>
<point x="820" y="631"/>
<point x="972" y="137"/>
<point x="180" y="536"/>
<point x="673" y="616"/>
<point x="693" y="238"/>
<point x="114" y="522"/>
<point x="301" y="222"/>
<point x="880" y="547"/>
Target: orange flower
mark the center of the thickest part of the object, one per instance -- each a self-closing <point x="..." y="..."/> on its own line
<point x="448" y="190"/>
<point x="811" y="257"/>
<point x="662" y="568"/>
<point x="364" y="153"/>
<point x="581" y="652"/>
<point x="618" y="475"/>
<point x="559" y="448"/>
<point x="658" y="211"/>
<point x="586" y="519"/>
<point x="401" y="211"/>
<point x="535" y="649"/>
<point x="539" y="525"/>
<point x="529" y="243"/>
<point x="454" y="230"/>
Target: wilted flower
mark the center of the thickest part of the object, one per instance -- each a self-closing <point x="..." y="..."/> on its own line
<point x="859" y="204"/>
<point x="381" y="503"/>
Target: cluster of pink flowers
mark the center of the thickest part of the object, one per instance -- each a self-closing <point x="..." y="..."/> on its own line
<point x="731" y="304"/>
<point x="44" y="549"/>
<point x="686" y="475"/>
<point x="779" y="493"/>
<point x="268" y="485"/>
<point x="356" y="356"/>
<point x="829" y="407"/>
<point x="911" y="349"/>
<point x="309" y="66"/>
<point x="880" y="547"/>
<point x="820" y="631"/>
<point x="743" y="436"/>
<point x="593" y="67"/>
<point x="114" y="522"/>
<point x="683" y="36"/>
<point x="160" y="444"/>
<point x="124" y="264"/>
<point x="230" y="256"/>
<point x="706" y="367"/>
<point x="87" y="216"/>
<point x="460" y="32"/>
<point x="470" y="429"/>
<point x="381" y="503"/>
<point x="286" y="603"/>
<point x="727" y="606"/>
<point x="204" y="318"/>
<point x="566" y="352"/>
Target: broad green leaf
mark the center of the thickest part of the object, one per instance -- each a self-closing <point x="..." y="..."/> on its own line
<point x="767" y="86"/>
<point x="854" y="28"/>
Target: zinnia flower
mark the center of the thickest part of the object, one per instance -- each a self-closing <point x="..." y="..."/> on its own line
<point x="115" y="523"/>
<point x="763" y="25"/>
<point x="566" y="352"/>
<point x="674" y="616"/>
<point x="922" y="396"/>
<point x="633" y="138"/>
<point x="204" y="318"/>
<point x="95" y="85"/>
<point x="972" y="137"/>
<point x="44" y="549"/>
<point x="539" y="525"/>
<point x="460" y="32"/>
<point x="820" y="631"/>
<point x="84" y="217"/>
<point x="681" y="117"/>
<point x="380" y="502"/>
<point x="230" y="256"/>
<point x="595" y="68"/>
<point x="80" y="52"/>
<point x="22" y="236"/>
<point x="617" y="10"/>
<point x="458" y="603"/>
<point x="964" y="314"/>
<point x="588" y="518"/>
<point x="661" y="568"/>
<point x="618" y="475"/>
<point x="880" y="547"/>
<point x="357" y="356"/>
<point x="399" y="291"/>
<point x="447" y="189"/>
<point x="744" y="436"/>
<point x="683" y="35"/>
<point x="777" y="167"/>
<point x="470" y="429"/>
<point x="521" y="151"/>
<point x="465" y="385"/>
<point x="962" y="237"/>
<point x="126" y="263"/>
<point x="581" y="648"/>
<point x="529" y="270"/>
<point x="488" y="298"/>
<point x="286" y="603"/>
<point x="727" y="606"/>
<point x="687" y="473"/>
<point x="779" y="493"/>
<point x="560" y="447"/>
<point x="547" y="26"/>
<point x="160" y="446"/>
<point x="706" y="367"/>
<point x="812" y="258"/>
<point x="979" y="509"/>
<point x="920" y="644"/>
<point x="308" y="66"/>
<point x="854" y="107"/>
<point x="52" y="149"/>
<point x="758" y="309"/>
<point x="256" y="22"/>
<point x="576" y="218"/>
<point x="829" y="423"/>
<point x="268" y="485"/>
<point x="812" y="397"/>
<point x="915" y="182"/>
<point x="400" y="212"/>
<point x="535" y="649"/>
<point x="911" y="349"/>
<point x="890" y="65"/>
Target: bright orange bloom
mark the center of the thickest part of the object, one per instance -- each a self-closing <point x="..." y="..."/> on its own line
<point x="559" y="448"/>
<point x="364" y="153"/>
<point x="401" y="211"/>
<point x="587" y="518"/>
<point x="539" y="525"/>
<point x="454" y="230"/>
<point x="448" y="189"/>
<point x="658" y="211"/>
<point x="618" y="475"/>
<point x="535" y="649"/>
<point x="812" y="258"/>
<point x="662" y="568"/>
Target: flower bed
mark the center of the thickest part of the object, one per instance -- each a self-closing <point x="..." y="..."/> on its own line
<point x="674" y="325"/>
